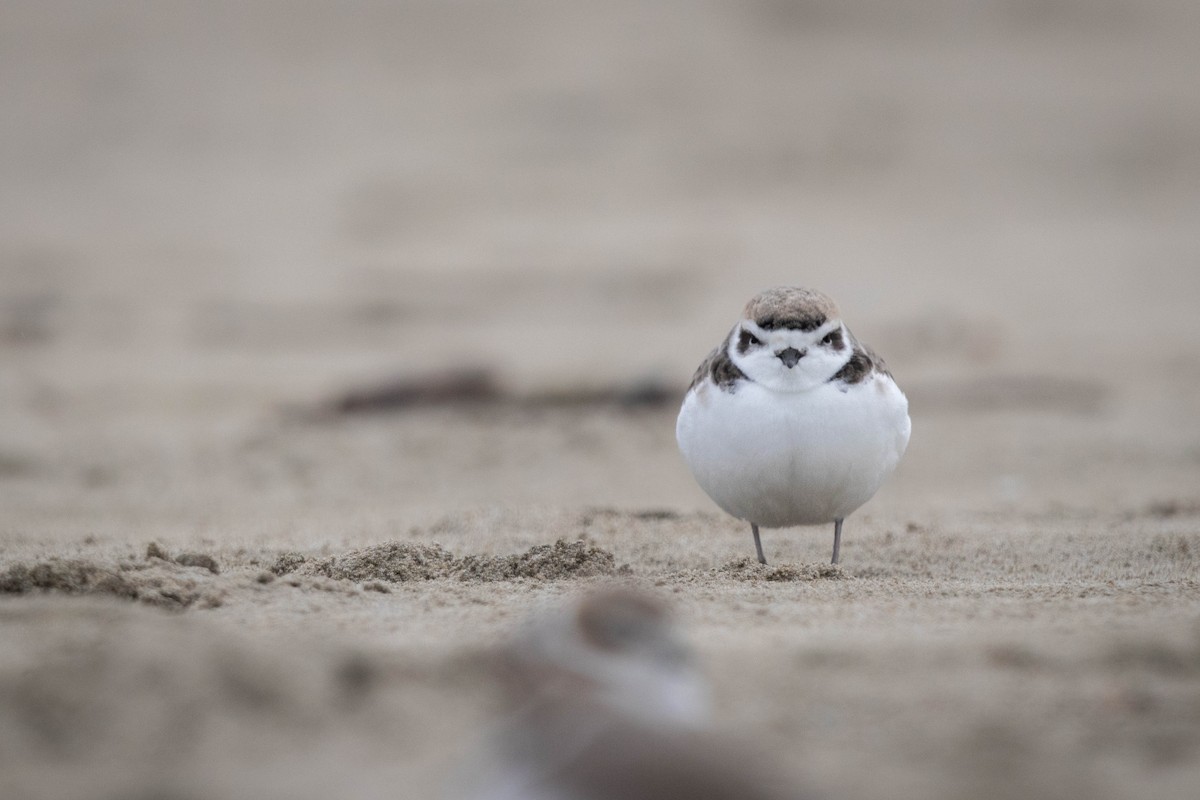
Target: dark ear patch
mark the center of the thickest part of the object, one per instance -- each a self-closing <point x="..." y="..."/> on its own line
<point x="835" y="340"/>
<point x="746" y="340"/>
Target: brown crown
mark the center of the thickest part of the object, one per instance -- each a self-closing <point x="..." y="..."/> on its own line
<point x="791" y="307"/>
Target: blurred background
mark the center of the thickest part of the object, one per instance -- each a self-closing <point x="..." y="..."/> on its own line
<point x="212" y="211"/>
<point x="306" y="276"/>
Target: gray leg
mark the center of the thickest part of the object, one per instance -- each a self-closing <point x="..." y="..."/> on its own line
<point x="837" y="541"/>
<point x="758" y="544"/>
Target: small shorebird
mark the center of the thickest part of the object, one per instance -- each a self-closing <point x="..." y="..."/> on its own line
<point x="618" y="647"/>
<point x="608" y="705"/>
<point x="791" y="420"/>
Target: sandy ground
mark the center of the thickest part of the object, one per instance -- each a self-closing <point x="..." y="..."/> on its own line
<point x="216" y="220"/>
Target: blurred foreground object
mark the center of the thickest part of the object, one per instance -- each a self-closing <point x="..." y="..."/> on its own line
<point x="605" y="701"/>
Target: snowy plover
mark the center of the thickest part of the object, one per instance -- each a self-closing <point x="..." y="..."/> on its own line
<point x="607" y="704"/>
<point x="619" y="648"/>
<point x="791" y="420"/>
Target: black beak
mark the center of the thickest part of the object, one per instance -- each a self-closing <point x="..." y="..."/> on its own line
<point x="790" y="356"/>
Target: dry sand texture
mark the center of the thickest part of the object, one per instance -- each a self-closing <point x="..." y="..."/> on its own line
<point x="221" y="223"/>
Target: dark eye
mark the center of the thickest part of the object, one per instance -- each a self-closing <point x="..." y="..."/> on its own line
<point x="833" y="339"/>
<point x="746" y="340"/>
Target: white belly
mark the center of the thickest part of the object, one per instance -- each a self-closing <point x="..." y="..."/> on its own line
<point x="807" y="458"/>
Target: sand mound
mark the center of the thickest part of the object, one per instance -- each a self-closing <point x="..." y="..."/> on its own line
<point x="746" y="569"/>
<point x="545" y="562"/>
<point x="288" y="562"/>
<point x="161" y="584"/>
<point x="73" y="576"/>
<point x="397" y="562"/>
<point x="196" y="579"/>
<point x="202" y="560"/>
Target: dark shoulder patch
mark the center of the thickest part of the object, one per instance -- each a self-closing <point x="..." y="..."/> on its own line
<point x="724" y="372"/>
<point x="862" y="364"/>
<point x="856" y="370"/>
<point x="720" y="367"/>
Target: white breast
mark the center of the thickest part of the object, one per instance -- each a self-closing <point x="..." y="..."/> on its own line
<point x="781" y="459"/>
